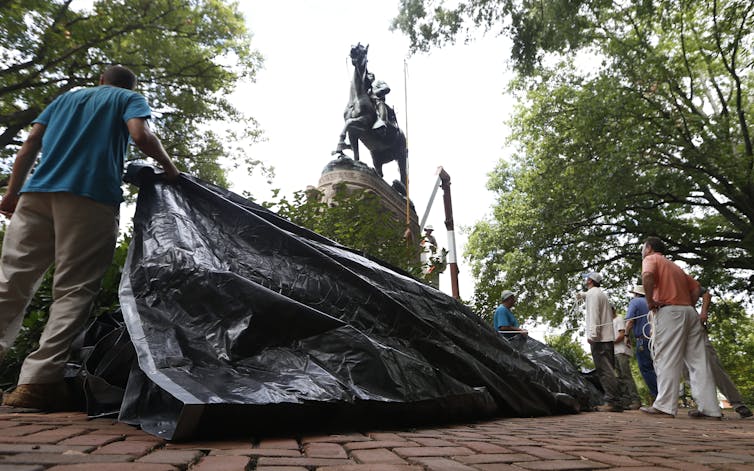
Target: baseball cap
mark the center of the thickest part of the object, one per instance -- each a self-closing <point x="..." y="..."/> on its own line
<point x="594" y="276"/>
<point x="506" y="294"/>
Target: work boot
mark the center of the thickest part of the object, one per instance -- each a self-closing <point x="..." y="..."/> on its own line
<point x="743" y="411"/>
<point x="695" y="414"/>
<point x="609" y="408"/>
<point x="52" y="397"/>
<point x="656" y="412"/>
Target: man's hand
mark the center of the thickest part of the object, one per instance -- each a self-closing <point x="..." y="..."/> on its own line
<point x="148" y="143"/>
<point x="25" y="159"/>
<point x="171" y="173"/>
<point x="8" y="205"/>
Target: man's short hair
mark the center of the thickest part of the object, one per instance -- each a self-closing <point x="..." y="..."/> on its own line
<point x="119" y="76"/>
<point x="656" y="244"/>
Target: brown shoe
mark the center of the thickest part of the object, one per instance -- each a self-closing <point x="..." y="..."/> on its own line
<point x="51" y="397"/>
<point x="656" y="412"/>
<point x="634" y="406"/>
<point x="695" y="414"/>
<point x="609" y="408"/>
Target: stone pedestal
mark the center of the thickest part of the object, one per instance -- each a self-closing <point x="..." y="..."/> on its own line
<point x="359" y="176"/>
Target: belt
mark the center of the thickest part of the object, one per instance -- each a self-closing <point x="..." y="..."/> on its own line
<point x="660" y="306"/>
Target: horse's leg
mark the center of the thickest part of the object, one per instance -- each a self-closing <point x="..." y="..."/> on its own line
<point x="341" y="142"/>
<point x="402" y="158"/>
<point x="377" y="162"/>
<point x="353" y="139"/>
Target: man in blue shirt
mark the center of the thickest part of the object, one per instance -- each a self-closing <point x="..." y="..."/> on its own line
<point x="66" y="213"/>
<point x="504" y="319"/>
<point x="637" y="319"/>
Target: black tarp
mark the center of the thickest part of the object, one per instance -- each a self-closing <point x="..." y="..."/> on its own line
<point x="242" y="320"/>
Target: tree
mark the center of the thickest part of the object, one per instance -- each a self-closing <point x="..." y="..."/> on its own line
<point x="653" y="138"/>
<point x="356" y="219"/>
<point x="570" y="349"/>
<point x="188" y="55"/>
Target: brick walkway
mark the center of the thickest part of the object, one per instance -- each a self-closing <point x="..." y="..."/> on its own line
<point x="625" y="441"/>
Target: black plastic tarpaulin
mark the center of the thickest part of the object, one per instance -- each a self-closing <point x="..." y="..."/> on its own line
<point x="243" y="320"/>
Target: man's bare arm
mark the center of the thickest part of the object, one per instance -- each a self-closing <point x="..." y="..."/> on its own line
<point x="25" y="159"/>
<point x="648" y="281"/>
<point x="145" y="140"/>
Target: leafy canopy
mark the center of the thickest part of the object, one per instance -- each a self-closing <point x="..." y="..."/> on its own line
<point x="633" y="120"/>
<point x="356" y="219"/>
<point x="188" y="55"/>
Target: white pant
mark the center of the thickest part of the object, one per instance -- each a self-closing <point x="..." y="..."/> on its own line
<point x="78" y="235"/>
<point x="678" y="339"/>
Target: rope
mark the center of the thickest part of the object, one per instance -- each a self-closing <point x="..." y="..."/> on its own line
<point x="650" y="315"/>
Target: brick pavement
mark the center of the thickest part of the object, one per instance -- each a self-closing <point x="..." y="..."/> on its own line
<point x="589" y="441"/>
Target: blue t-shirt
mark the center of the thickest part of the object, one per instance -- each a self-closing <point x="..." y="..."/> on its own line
<point x="638" y="310"/>
<point x="504" y="317"/>
<point x="85" y="142"/>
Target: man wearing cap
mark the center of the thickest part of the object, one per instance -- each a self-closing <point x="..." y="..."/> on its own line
<point x="637" y="318"/>
<point x="429" y="241"/>
<point x="504" y="319"/>
<point x="678" y="336"/>
<point x="599" y="331"/>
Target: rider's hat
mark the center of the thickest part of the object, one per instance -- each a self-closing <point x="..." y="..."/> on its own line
<point x="380" y="88"/>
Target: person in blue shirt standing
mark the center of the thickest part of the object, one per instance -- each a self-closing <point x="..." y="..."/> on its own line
<point x="637" y="320"/>
<point x="66" y="213"/>
<point x="504" y="319"/>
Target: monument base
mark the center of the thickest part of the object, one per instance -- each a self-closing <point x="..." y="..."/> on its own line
<point x="357" y="175"/>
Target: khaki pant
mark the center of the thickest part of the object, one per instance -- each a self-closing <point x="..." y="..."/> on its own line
<point x="679" y="339"/>
<point x="603" y="355"/>
<point x="78" y="235"/>
<point x="722" y="379"/>
<point x="626" y="384"/>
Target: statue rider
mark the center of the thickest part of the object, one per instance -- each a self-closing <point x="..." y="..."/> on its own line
<point x="386" y="123"/>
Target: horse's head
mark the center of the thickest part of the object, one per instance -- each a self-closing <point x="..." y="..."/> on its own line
<point x="359" y="56"/>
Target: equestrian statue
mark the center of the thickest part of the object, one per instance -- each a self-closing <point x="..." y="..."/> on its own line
<point x="370" y="120"/>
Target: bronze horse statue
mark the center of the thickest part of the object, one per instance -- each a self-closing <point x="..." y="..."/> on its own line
<point x="360" y="117"/>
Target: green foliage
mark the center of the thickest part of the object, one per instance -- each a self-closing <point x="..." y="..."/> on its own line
<point x="641" y="386"/>
<point x="571" y="349"/>
<point x="535" y="26"/>
<point x="651" y="138"/>
<point x="731" y="331"/>
<point x="188" y="54"/>
<point x="356" y="219"/>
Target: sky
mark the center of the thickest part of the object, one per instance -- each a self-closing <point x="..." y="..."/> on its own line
<point x="455" y="114"/>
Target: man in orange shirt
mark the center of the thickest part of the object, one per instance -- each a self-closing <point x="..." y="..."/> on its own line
<point x="678" y="335"/>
